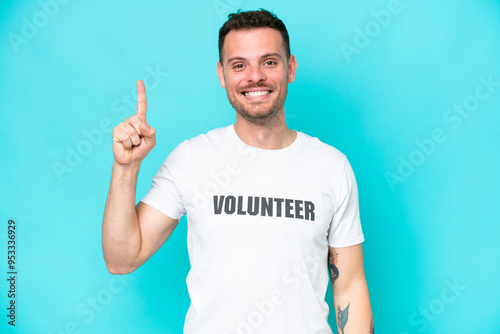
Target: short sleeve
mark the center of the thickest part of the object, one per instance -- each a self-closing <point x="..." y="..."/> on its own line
<point x="345" y="227"/>
<point x="164" y="194"/>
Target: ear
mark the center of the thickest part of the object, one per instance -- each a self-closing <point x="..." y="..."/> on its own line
<point x="220" y="73"/>
<point x="292" y="67"/>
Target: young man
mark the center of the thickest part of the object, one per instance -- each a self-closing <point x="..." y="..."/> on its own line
<point x="271" y="211"/>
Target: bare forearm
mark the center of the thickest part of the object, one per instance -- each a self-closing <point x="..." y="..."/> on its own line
<point x="121" y="236"/>
<point x="350" y="290"/>
<point x="353" y="310"/>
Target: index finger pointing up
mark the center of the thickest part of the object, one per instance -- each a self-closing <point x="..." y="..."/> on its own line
<point x="141" y="100"/>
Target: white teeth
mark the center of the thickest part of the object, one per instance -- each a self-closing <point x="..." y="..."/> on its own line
<point x="253" y="94"/>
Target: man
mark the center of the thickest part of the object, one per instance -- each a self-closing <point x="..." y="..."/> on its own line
<point x="269" y="209"/>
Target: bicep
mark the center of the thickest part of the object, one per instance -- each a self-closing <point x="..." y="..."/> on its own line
<point x="156" y="227"/>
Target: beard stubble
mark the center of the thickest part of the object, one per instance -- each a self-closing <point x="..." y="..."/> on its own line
<point x="258" y="115"/>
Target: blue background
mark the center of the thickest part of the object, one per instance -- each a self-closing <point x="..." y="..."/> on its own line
<point x="430" y="210"/>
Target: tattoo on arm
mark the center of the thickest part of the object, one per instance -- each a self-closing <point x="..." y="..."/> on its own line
<point x="332" y="264"/>
<point x="372" y="327"/>
<point x="342" y="317"/>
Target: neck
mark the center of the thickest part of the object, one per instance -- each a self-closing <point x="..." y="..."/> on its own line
<point x="274" y="135"/>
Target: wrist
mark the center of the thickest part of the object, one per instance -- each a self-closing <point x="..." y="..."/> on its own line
<point x="132" y="168"/>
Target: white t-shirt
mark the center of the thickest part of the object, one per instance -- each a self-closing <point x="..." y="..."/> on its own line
<point x="259" y="226"/>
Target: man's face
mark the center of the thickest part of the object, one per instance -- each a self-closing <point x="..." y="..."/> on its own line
<point x="256" y="73"/>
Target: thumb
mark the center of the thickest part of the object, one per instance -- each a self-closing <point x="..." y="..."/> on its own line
<point x="144" y="128"/>
<point x="147" y="131"/>
<point x="149" y="135"/>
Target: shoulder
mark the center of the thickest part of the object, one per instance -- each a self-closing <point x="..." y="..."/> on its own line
<point x="202" y="146"/>
<point x="203" y="141"/>
<point x="322" y="150"/>
<point x="215" y="135"/>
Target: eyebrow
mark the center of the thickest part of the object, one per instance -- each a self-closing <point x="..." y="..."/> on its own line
<point x="267" y="55"/>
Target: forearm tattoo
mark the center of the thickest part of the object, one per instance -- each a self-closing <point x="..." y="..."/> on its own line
<point x="342" y="317"/>
<point x="332" y="264"/>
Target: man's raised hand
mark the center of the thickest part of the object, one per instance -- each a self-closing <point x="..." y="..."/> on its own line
<point x="134" y="138"/>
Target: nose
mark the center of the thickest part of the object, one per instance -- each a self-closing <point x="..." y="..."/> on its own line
<point x="256" y="74"/>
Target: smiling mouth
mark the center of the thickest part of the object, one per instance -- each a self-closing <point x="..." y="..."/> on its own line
<point x="258" y="93"/>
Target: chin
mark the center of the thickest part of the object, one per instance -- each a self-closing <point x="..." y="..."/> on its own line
<point x="259" y="113"/>
<point x="259" y="117"/>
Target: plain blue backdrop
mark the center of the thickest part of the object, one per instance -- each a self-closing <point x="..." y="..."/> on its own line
<point x="408" y="90"/>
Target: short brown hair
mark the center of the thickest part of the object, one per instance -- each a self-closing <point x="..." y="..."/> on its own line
<point x="253" y="19"/>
